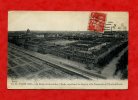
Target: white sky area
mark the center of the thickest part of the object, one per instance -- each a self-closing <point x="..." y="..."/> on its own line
<point x="58" y="20"/>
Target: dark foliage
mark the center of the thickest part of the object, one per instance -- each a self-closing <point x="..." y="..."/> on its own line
<point x="113" y="53"/>
<point x="122" y="65"/>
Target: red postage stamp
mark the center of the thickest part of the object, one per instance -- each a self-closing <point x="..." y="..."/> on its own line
<point x="97" y="22"/>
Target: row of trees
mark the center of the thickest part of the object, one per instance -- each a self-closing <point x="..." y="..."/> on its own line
<point x="121" y="66"/>
<point x="113" y="53"/>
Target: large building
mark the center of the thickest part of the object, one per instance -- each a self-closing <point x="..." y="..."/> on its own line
<point x="84" y="47"/>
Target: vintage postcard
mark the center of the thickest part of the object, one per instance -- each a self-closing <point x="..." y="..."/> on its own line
<point x="67" y="50"/>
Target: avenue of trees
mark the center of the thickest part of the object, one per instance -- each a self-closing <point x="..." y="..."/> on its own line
<point x="122" y="66"/>
<point x="113" y="53"/>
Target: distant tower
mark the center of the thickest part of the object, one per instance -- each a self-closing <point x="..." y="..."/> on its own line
<point x="28" y="31"/>
<point x="28" y="35"/>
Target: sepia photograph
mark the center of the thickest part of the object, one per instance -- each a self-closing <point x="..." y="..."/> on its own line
<point x="67" y="50"/>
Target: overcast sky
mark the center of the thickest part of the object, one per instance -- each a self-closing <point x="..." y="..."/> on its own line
<point x="58" y="20"/>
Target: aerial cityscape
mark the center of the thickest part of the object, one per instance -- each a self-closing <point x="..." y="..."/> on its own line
<point x="70" y="55"/>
